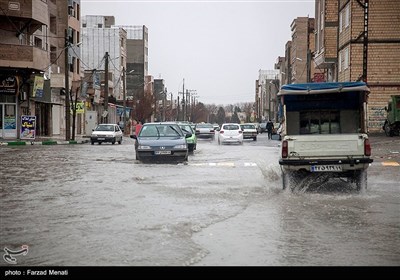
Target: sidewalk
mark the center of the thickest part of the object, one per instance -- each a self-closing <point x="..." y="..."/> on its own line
<point x="43" y="140"/>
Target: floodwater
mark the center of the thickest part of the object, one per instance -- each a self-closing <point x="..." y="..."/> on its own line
<point x="96" y="205"/>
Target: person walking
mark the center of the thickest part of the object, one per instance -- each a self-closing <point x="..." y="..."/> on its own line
<point x="138" y="127"/>
<point x="270" y="127"/>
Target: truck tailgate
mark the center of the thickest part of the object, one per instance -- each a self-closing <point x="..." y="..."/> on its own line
<point x="326" y="145"/>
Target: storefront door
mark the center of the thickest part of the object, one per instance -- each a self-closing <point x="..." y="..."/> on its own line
<point x="8" y="121"/>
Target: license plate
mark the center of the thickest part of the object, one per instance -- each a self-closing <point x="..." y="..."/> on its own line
<point x="101" y="138"/>
<point x="326" y="168"/>
<point x="162" y="152"/>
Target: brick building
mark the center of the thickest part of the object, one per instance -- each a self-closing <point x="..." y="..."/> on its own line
<point x="383" y="51"/>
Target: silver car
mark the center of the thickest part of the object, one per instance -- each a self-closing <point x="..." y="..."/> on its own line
<point x="161" y="142"/>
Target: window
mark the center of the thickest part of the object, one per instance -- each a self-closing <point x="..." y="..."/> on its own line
<point x="53" y="54"/>
<point x="346" y="58"/>
<point x="320" y="122"/>
<point x="53" y="24"/>
<point x="347" y="16"/>
<point x="38" y="42"/>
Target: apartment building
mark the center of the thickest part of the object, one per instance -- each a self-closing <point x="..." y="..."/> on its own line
<point x="369" y="50"/>
<point x="32" y="63"/>
<point x="326" y="36"/>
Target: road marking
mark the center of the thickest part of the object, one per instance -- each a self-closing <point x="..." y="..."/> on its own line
<point x="224" y="164"/>
<point x="390" y="163"/>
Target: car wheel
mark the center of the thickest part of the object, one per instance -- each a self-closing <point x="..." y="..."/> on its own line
<point x="387" y="129"/>
<point x="361" y="180"/>
<point x="255" y="139"/>
<point x="120" y="141"/>
<point x="99" y="143"/>
<point x="92" y="142"/>
<point x="113" y="141"/>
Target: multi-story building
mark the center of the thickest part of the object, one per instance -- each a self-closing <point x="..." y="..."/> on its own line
<point x="33" y="61"/>
<point x="301" y="63"/>
<point x="265" y="94"/>
<point x="137" y="62"/>
<point x="326" y="32"/>
<point x="369" y="50"/>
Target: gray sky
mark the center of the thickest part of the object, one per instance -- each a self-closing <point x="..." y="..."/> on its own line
<point x="216" y="46"/>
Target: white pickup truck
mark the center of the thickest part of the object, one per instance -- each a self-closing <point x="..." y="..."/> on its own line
<point x="325" y="133"/>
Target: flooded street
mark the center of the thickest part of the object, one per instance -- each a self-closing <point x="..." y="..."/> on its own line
<point x="97" y="206"/>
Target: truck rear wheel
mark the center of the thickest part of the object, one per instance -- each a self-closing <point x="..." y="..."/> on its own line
<point x="361" y="180"/>
<point x="388" y="130"/>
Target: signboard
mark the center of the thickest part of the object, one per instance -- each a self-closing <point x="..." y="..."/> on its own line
<point x="28" y="127"/>
<point x="80" y="107"/>
<point x="38" y="87"/>
<point x="9" y="84"/>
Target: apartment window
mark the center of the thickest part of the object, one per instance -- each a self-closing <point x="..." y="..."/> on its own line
<point x="347" y="16"/>
<point x="38" y="42"/>
<point x="100" y="25"/>
<point x="78" y="12"/>
<point x="53" y="24"/>
<point x="340" y="22"/>
<point x="53" y="54"/>
<point x="346" y="58"/>
<point x="78" y="66"/>
<point x="71" y="66"/>
<point x="83" y="25"/>
<point x="340" y="61"/>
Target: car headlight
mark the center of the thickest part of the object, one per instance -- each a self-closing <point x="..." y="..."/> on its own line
<point x="143" y="147"/>
<point x="183" y="146"/>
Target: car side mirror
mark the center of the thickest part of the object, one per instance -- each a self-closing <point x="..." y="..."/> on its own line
<point x="133" y="136"/>
<point x="188" y="135"/>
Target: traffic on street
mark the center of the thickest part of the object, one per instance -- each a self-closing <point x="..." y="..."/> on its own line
<point x="97" y="205"/>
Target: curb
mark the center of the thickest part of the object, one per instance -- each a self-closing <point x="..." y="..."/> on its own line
<point x="47" y="142"/>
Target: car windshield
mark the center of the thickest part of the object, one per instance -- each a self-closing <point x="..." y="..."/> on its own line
<point x="160" y="130"/>
<point x="186" y="128"/>
<point x="231" y="127"/>
<point x="248" y="126"/>
<point x="204" y="125"/>
<point x="102" y="127"/>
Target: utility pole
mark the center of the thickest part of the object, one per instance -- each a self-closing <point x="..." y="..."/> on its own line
<point x="163" y="106"/>
<point x="106" y="89"/>
<point x="67" y="104"/>
<point x="124" y="98"/>
<point x="183" y="101"/>
<point x="172" y="118"/>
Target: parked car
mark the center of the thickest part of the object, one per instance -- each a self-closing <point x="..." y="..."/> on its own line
<point x="161" y="142"/>
<point x="205" y="130"/>
<point x="192" y="140"/>
<point x="216" y="127"/>
<point x="249" y="131"/>
<point x="262" y="127"/>
<point x="106" y="133"/>
<point x="230" y="133"/>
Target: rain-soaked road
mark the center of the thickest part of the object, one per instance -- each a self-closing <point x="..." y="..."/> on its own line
<point x="95" y="205"/>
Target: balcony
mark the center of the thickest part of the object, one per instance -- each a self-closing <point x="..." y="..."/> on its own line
<point x="33" y="12"/>
<point x="22" y="56"/>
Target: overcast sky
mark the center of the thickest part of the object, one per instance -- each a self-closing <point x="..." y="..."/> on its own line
<point x="216" y="46"/>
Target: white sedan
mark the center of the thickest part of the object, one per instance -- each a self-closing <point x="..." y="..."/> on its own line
<point x="106" y="133"/>
<point x="230" y="133"/>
